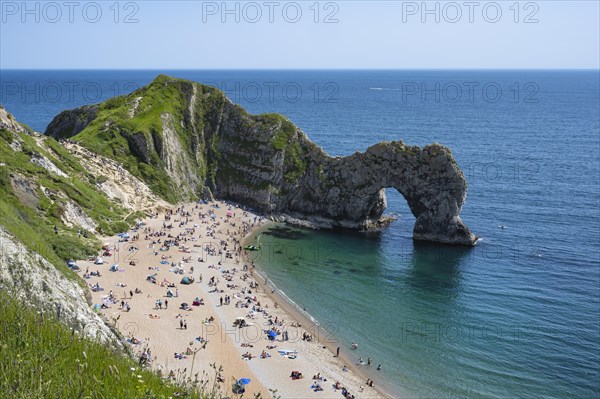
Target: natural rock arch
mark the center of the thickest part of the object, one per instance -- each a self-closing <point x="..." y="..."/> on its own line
<point x="353" y="189"/>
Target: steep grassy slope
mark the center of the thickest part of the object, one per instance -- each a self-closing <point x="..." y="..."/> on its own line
<point x="43" y="186"/>
<point x="41" y="358"/>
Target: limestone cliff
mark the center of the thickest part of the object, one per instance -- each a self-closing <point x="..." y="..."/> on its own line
<point x="43" y="187"/>
<point x="31" y="278"/>
<point x="180" y="134"/>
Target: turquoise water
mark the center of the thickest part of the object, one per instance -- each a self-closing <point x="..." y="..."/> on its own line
<point x="516" y="316"/>
<point x="443" y="322"/>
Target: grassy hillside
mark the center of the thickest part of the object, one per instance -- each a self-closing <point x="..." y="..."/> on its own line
<point x="32" y="209"/>
<point x="178" y="133"/>
<point x="137" y="141"/>
<point x="42" y="358"/>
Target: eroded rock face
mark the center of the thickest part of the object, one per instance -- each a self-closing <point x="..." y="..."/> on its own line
<point x="267" y="163"/>
<point x="8" y="122"/>
<point x="352" y="195"/>
<point x="28" y="276"/>
<point x="73" y="123"/>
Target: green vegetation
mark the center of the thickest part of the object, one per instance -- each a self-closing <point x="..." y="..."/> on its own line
<point x="284" y="140"/>
<point x="136" y="142"/>
<point x="295" y="166"/>
<point x="39" y="356"/>
<point x="42" y="358"/>
<point x="31" y="213"/>
<point x="6" y="135"/>
<point x="139" y="131"/>
<point x="284" y="134"/>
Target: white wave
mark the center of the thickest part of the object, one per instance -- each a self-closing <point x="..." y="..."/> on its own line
<point x="384" y="88"/>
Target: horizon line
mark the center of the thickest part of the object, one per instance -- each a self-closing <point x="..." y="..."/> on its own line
<point x="307" y="69"/>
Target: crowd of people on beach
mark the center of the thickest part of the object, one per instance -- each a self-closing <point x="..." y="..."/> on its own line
<point x="231" y="286"/>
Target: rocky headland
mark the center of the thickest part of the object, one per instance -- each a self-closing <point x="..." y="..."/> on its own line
<point x="175" y="133"/>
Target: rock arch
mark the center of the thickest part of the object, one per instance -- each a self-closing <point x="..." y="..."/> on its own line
<point x="353" y="190"/>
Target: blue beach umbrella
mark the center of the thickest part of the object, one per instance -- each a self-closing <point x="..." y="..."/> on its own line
<point x="244" y="381"/>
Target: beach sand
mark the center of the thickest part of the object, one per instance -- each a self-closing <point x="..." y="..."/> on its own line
<point x="220" y="230"/>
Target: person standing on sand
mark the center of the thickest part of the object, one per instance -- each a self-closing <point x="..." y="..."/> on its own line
<point x="166" y="304"/>
<point x="337" y="352"/>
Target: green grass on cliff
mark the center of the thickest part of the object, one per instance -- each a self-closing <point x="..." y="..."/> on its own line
<point x="163" y="96"/>
<point x="32" y="218"/>
<point x="42" y="358"/>
<point x="284" y="140"/>
<point x="139" y="142"/>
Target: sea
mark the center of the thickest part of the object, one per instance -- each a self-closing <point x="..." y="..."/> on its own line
<point x="516" y="316"/>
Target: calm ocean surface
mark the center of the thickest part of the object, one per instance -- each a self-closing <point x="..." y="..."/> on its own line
<point x="518" y="315"/>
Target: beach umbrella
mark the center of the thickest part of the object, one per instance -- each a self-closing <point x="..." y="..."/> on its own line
<point x="244" y="381"/>
<point x="272" y="334"/>
<point x="71" y="262"/>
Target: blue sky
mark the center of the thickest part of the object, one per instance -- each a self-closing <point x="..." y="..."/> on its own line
<point x="358" y="34"/>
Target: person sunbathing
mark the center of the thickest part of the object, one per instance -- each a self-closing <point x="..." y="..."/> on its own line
<point x="296" y="375"/>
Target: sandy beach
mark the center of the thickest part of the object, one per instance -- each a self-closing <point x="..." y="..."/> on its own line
<point x="203" y="243"/>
